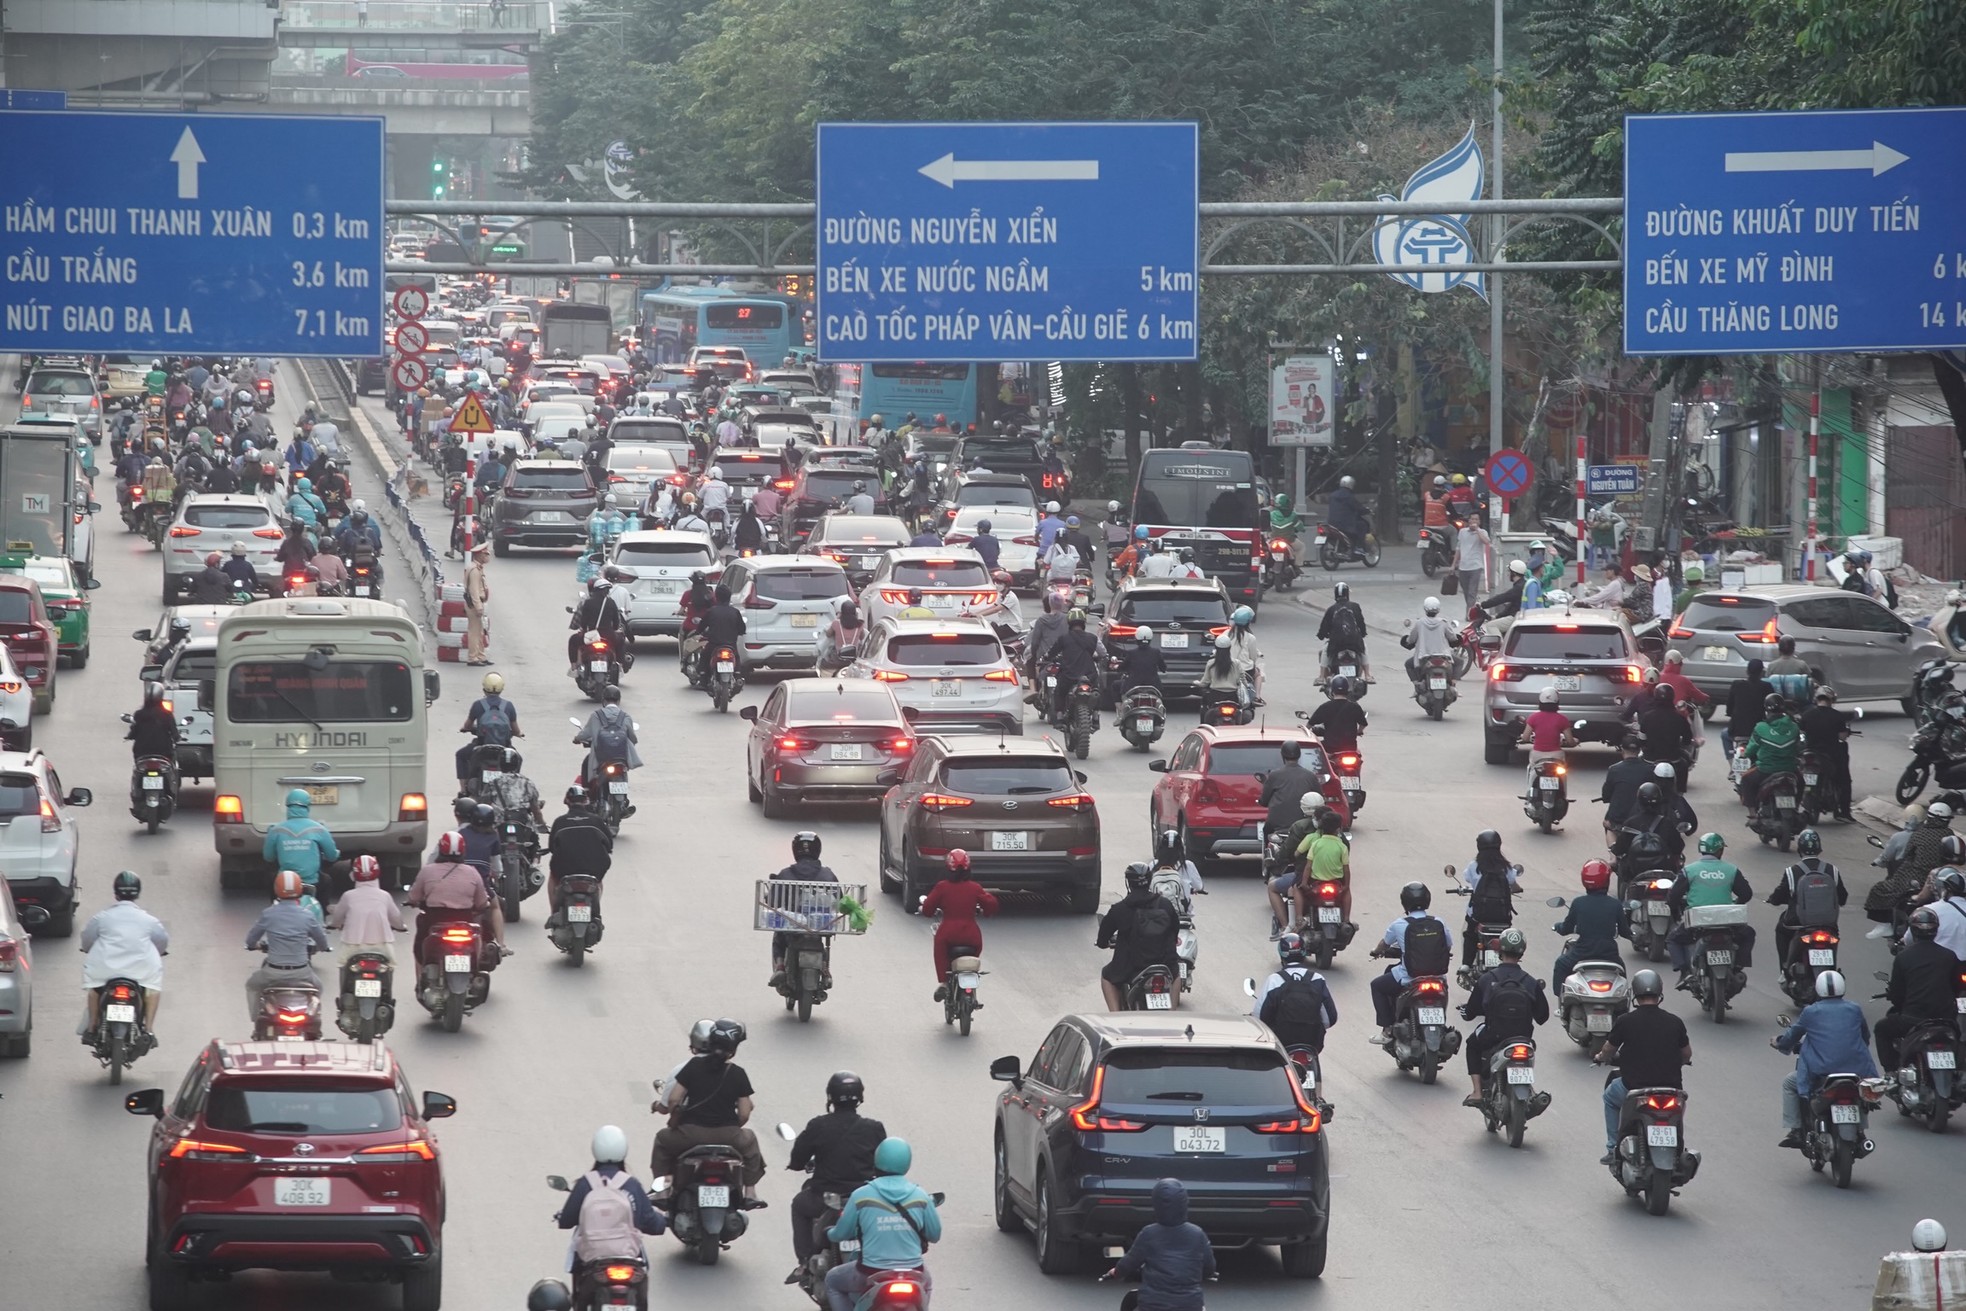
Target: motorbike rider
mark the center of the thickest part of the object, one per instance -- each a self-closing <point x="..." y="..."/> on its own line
<point x="710" y="1104"/>
<point x="1049" y="527"/>
<point x="722" y="626"/>
<point x="1171" y="1256"/>
<point x="328" y="569"/>
<point x="209" y="586"/>
<point x="1775" y="747"/>
<point x="122" y="941"/>
<point x="305" y="506"/>
<point x="578" y="843"/>
<point x="366" y="917"/>
<point x="1047" y="631"/>
<point x="1115" y="531"/>
<point x="1339" y="720"/>
<point x="1510" y="1002"/>
<point x="1184" y="565"/>
<point x="1320" y="856"/>
<point x="484" y="851"/>
<point x="1154" y="559"/>
<point x="1169" y="854"/>
<point x="1286" y="523"/>
<point x="448" y="889"/>
<point x="1949" y="904"/>
<point x="1547" y="733"/>
<point x="1809" y="894"/>
<point x="749" y="535"/>
<point x="598" y="612"/>
<point x="1789" y="674"/>
<point x="838" y="1149"/>
<point x="292" y="934"/>
<point x="960" y="900"/>
<point x="1505" y="604"/>
<point x="1347" y="514"/>
<point x="1078" y="655"/>
<point x="1829" y="1036"/>
<point x="238" y="570"/>
<point x="610" y="738"/>
<point x="153" y="727"/>
<point x="1650" y="1047"/>
<point x="1924" y="851"/>
<point x="1826" y="731"/>
<point x="860" y="501"/>
<point x="1079" y="540"/>
<point x="805" y="868"/>
<point x="1141" y="663"/>
<point x="300" y="842"/>
<point x="1295" y="1001"/>
<point x="1595" y="918"/>
<point x="1285" y="785"/>
<point x="1708" y="881"/>
<point x="1140" y="930"/>
<point x="1491" y="881"/>
<point x="515" y="796"/>
<point x="610" y="1230"/>
<point x="1061" y="560"/>
<point x="492" y="720"/>
<point x="1414" y="899"/>
<point x="360" y="538"/>
<point x="895" y="1222"/>
<point x="1923" y="986"/>
<point x="695" y="604"/>
<point x="1426" y="637"/>
<point x="1343" y="628"/>
<point x="1668" y="735"/>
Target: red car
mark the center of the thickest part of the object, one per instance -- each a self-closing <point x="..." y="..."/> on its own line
<point x="1211" y="783"/>
<point x="294" y="1156"/>
<point x="30" y="636"/>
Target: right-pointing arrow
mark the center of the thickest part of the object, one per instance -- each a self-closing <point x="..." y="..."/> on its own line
<point x="1880" y="158"/>
<point x="949" y="170"/>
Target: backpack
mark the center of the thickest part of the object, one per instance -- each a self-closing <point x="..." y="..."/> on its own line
<point x="606" y="1227"/>
<point x="1854" y="582"/>
<point x="1425" y="952"/>
<point x="1509" y="1008"/>
<point x="611" y="737"/>
<point x="1296" y="1009"/>
<point x="1890" y="592"/>
<point x="1346" y="630"/>
<point x="1491" y="902"/>
<point x="1812" y="893"/>
<point x="494" y="725"/>
<point x="1154" y="925"/>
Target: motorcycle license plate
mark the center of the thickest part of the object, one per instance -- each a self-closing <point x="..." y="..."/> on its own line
<point x="1597" y="1022"/>
<point x="303" y="1192"/>
<point x="580" y="914"/>
<point x="1942" y="1060"/>
<point x="726" y="666"/>
<point x="1145" y="723"/>
<point x="1437" y="684"/>
<point x="598" y="666"/>
<point x="1018" y="841"/>
<point x="946" y="687"/>
<point x="1568" y="682"/>
<point x="713" y="1195"/>
<point x="490" y="775"/>
<point x="1785" y="802"/>
<point x="1194" y="1138"/>
<point x="1662" y="1135"/>
<point x="1327" y="915"/>
<point x="368" y="987"/>
<point x="1659" y="908"/>
<point x="1960" y="1003"/>
<point x="1174" y="641"/>
<point x="1320" y="539"/>
<point x="618" y="787"/>
<point x="1809" y="779"/>
<point x="1051" y="680"/>
<point x="1719" y="654"/>
<point x="1548" y="784"/>
<point x="805" y="621"/>
<point x="969" y="982"/>
<point x="1522" y="1074"/>
<point x="1159" y="1001"/>
<point x="457" y="964"/>
<point x="1720" y="958"/>
<point x="1821" y="956"/>
<point x="845" y="751"/>
<point x="120" y="1014"/>
<point x="153" y="783"/>
<point x="1432" y="1014"/>
<point x="1842" y="1114"/>
<point x="1348" y="671"/>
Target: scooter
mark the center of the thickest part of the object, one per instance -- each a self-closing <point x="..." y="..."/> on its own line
<point x="1152" y="989"/>
<point x="1930" y="756"/>
<point x="121" y="1035"/>
<point x="1595" y="993"/>
<point x="288" y="1012"/>
<point x="706" y="1202"/>
<point x="726" y="678"/>
<point x="455" y="973"/>
<point x="1931" y="688"/>
<point x="1222" y="706"/>
<point x="1282" y="573"/>
<point x="1926" y="1084"/>
<point x="575" y="928"/>
<point x="1811" y="952"/>
<point x="1187" y="943"/>
<point x="153" y="790"/>
<point x="599" y="667"/>
<point x="1327" y="934"/>
<point x="1142" y="717"/>
<point x="827" y="1252"/>
<point x="1436" y="550"/>
<point x="520" y="875"/>
<point x="1334" y="548"/>
<point x="1549" y="794"/>
<point x="1346" y="661"/>
<point x="1835" y="1131"/>
<point x="1348" y="767"/>
<point x="367" y="1005"/>
<point x="1422" y="1038"/>
<point x="616" y="1281"/>
<point x="1434" y="690"/>
<point x="613" y="783"/>
<point x="1305" y="1064"/>
<point x="1777" y="816"/>
<point x="1651" y="1160"/>
<point x="1714" y="979"/>
<point x="364" y="577"/>
<point x="959" y="1002"/>
<point x="1509" y="1097"/>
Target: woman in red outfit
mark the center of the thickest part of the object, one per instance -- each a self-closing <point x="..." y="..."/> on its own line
<point x="960" y="899"/>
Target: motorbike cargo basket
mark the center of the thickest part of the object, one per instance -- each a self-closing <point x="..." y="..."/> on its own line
<point x="789" y="906"/>
<point x="1715" y="917"/>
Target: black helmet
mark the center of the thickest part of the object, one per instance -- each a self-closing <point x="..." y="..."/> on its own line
<point x="1290" y="949"/>
<point x="725" y="1035"/>
<point x="1808" y="843"/>
<point x="1650" y="797"/>
<point x="463" y="808"/>
<point x="1923" y="923"/>
<point x="1415" y="896"/>
<point x="576" y="795"/>
<point x="180" y="628"/>
<point x="805" y="845"/>
<point x="1772" y="704"/>
<point x="549" y="1295"/>
<point x="1167" y="846"/>
<point x="1488" y="840"/>
<point x="845" y="1089"/>
<point x="483" y="815"/>
<point x="1952" y="849"/>
<point x="1293" y="751"/>
<point x="127" y="886"/>
<point x="611" y="694"/>
<point x="154" y="694"/>
<point x="1137" y="875"/>
<point x="1646" y="983"/>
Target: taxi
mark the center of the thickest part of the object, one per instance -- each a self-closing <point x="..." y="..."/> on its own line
<point x="66" y="593"/>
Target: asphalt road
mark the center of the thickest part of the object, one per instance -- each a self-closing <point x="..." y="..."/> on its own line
<point x="1424" y="1201"/>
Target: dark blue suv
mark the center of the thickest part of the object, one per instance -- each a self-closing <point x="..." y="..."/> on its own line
<point x="1113" y="1102"/>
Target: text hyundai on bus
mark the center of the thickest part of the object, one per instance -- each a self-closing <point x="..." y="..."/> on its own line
<point x="1203" y="498"/>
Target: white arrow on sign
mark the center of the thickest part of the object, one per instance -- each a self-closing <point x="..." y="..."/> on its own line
<point x="1880" y="158"/>
<point x="187" y="157"/>
<point x="949" y="170"/>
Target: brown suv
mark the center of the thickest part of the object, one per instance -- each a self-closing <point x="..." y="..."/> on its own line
<point x="1018" y="808"/>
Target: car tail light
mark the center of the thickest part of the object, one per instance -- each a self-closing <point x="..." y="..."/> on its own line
<point x="1498" y="672"/>
<point x="939" y="801"/>
<point x="185" y="530"/>
<point x="1218" y="630"/>
<point x="1522" y="1051"/>
<point x="1679" y="631"/>
<point x="190" y="1149"/>
<point x="1086" y="1117"/>
<point x="894" y="596"/>
<point x="794" y="744"/>
<point x="618" y="1274"/>
<point x="460" y="933"/>
<point x="11" y="686"/>
<point x="1001" y="676"/>
<point x="9" y="955"/>
<point x="782" y="484"/>
<point x="49" y="822"/>
<point x="1122" y="630"/>
<point x="1766" y="637"/>
<point x="982" y="598"/>
<point x="1024" y="541"/>
<point x="1661" y="1102"/>
<point x="1599" y="985"/>
<point x="1077" y="801"/>
<point x="412" y="807"/>
<point x="413" y="1149"/>
<point x="901" y="745"/>
<point x="269" y="532"/>
<point x="228" y="810"/>
<point x="755" y="602"/>
<point x="889" y="676"/>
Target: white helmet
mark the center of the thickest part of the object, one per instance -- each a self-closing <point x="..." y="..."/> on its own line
<point x="1518" y="568"/>
<point x="1113" y="507"/>
<point x="1829" y="984"/>
<point x="610" y="1145"/>
<point x="359" y="507"/>
<point x="1431" y="605"/>
<point x="1223" y="643"/>
<point x="1051" y="507"/>
<point x="1928" y="1236"/>
<point x="1346" y="481"/>
<point x="1953" y="598"/>
<point x="716" y="471"/>
<point x="1938" y="810"/>
<point x="1664" y="770"/>
<point x="1143" y="634"/>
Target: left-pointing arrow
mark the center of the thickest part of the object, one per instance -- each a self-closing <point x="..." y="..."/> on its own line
<point x="1880" y="158"/>
<point x="949" y="170"/>
<point x="187" y="157"/>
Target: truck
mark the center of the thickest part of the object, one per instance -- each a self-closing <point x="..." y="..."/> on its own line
<point x="38" y="493"/>
<point x="569" y="330"/>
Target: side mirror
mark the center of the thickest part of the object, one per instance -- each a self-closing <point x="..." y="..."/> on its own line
<point x="438" y="1106"/>
<point x="141" y="635"/>
<point x="80" y="797"/>
<point x="433" y="685"/>
<point x="558" y="1184"/>
<point x="1079" y="774"/>
<point x="91" y="583"/>
<point x="145" y="1101"/>
<point x="573" y="721"/>
<point x="1158" y="766"/>
<point x="748" y="713"/>
<point x="1875" y="841"/>
<point x="207" y="693"/>
<point x="785" y="1132"/>
<point x="1249" y="987"/>
<point x="1005" y="1069"/>
<point x="1881" y="976"/>
<point x="888" y="778"/>
<point x="1858" y="712"/>
<point x="151" y="673"/>
<point x="1555" y="901"/>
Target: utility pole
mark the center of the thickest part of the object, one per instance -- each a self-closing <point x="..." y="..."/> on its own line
<point x="1496" y="227"/>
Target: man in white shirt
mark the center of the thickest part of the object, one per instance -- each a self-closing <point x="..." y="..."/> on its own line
<point x="123" y="941"/>
<point x="714" y="494"/>
<point x="1160" y="563"/>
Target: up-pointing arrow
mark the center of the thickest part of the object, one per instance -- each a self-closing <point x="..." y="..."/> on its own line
<point x="1880" y="158"/>
<point x="949" y="170"/>
<point x="187" y="157"/>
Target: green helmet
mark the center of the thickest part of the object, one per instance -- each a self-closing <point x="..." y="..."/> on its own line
<point x="298" y="797"/>
<point x="1512" y="943"/>
<point x="1712" y="844"/>
<point x="1283" y="500"/>
<point x="893" y="1156"/>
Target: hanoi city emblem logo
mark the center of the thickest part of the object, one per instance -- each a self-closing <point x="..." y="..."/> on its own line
<point x="1412" y="242"/>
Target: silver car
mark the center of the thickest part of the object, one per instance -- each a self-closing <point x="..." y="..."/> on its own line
<point x="66" y="389"/>
<point x="662" y="562"/>
<point x="786" y="600"/>
<point x="946" y="673"/>
<point x="1851" y="642"/>
<point x="213" y="522"/>
<point x="16" y="980"/>
<point x="1588" y="656"/>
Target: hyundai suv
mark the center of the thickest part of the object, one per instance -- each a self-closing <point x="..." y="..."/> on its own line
<point x="1851" y="642"/>
<point x="1589" y="657"/>
<point x="212" y="521"/>
<point x="294" y="1156"/>
<point x="1111" y="1104"/>
<point x="1186" y="615"/>
<point x="542" y="503"/>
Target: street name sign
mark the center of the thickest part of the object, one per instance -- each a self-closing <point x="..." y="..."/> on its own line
<point x="1611" y="480"/>
<point x="209" y="234"/>
<point x="1759" y="233"/>
<point x="963" y="242"/>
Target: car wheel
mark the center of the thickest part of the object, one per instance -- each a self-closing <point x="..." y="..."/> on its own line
<point x="888" y="883"/>
<point x="59" y="925"/>
<point x="751" y="788"/>
<point x="1305" y="1260"/>
<point x="80" y="660"/>
<point x="1496" y="750"/>
<point x="774" y="804"/>
<point x="1057" y="1254"/>
<point x="170" y="591"/>
<point x="423" y="1287"/>
<point x="501" y="549"/>
<point x="170" y="1286"/>
<point x="911" y="892"/>
<point x="17" y="1046"/>
<point x="1007" y="1217"/>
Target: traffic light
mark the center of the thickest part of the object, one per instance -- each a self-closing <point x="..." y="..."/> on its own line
<point x="439" y="173"/>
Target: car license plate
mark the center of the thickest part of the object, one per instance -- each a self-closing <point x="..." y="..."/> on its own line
<point x="940" y="600"/>
<point x="1174" y="641"/>
<point x="666" y="587"/>
<point x="1598" y="1022"/>
<point x="726" y="666"/>
<point x="153" y="782"/>
<point x="490" y="775"/>
<point x="1007" y="841"/>
<point x="1662" y="1135"/>
<point x="120" y="1014"/>
<point x="1432" y="1014"/>
<point x="580" y="914"/>
<point x="713" y="1195"/>
<point x="550" y="516"/>
<point x="1194" y="1138"/>
<point x="1548" y="784"/>
<point x="598" y="666"/>
<point x="947" y="687"/>
<point x="1348" y="671"/>
<point x="457" y="964"/>
<point x="1941" y="1060"/>
<point x="1328" y="915"/>
<point x="1437" y="683"/>
<point x="1145" y="723"/>
<point x="867" y="561"/>
<point x="1160" y="1001"/>
<point x="324" y="794"/>
<point x="845" y="751"/>
<point x="1719" y="654"/>
<point x="618" y="786"/>
<point x="302" y="1192"/>
<point x="1568" y="682"/>
<point x="1720" y="958"/>
<point x="805" y="621"/>
<point x="1842" y="1114"/>
<point x="1784" y="802"/>
<point x="1522" y="1074"/>
<point x="1822" y="956"/>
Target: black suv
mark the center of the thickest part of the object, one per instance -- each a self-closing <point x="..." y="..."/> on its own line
<point x="1002" y="452"/>
<point x="1112" y="1103"/>
<point x="961" y="490"/>
<point x="1185" y="615"/>
<point x="542" y="503"/>
<point x="815" y="490"/>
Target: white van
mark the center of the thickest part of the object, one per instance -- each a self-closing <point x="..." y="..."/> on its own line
<point x="329" y="695"/>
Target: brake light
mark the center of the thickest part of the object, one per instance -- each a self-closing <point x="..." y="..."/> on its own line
<point x="1348" y="760"/>
<point x="459" y="933"/>
<point x="296" y="581"/>
<point x="1820" y="937"/>
<point x="939" y="801"/>
<point x="1001" y="676"/>
<point x="269" y="532"/>
<point x="894" y="596"/>
<point x="1077" y="801"/>
<point x="190" y="1149"/>
<point x="49" y="824"/>
<point x="1430" y="986"/>
<point x="618" y="1274"/>
<point x="1122" y="630"/>
<point x="1024" y="541"/>
<point x="901" y="745"/>
<point x="1766" y="637"/>
<point x="291" y="1019"/>
<point x="185" y="530"/>
<point x="1218" y="630"/>
<point x="599" y="644"/>
<point x="1086" y="1117"/>
<point x="1280" y="544"/>
<point x="1679" y="631"/>
<point x="1600" y="985"/>
<point x="982" y="598"/>
<point x="414" y="1149"/>
<point x="794" y="744"/>
<point x="755" y="602"/>
<point x="1634" y="675"/>
<point x="9" y="955"/>
<point x="1661" y="1102"/>
<point x="1497" y="672"/>
<point x="228" y="810"/>
<point x="1561" y="770"/>
<point x="11" y="686"/>
<point x="782" y="484"/>
<point x="898" y="1289"/>
<point x="1522" y="1051"/>
<point x="412" y="807"/>
<point x="889" y="676"/>
<point x="1843" y="1092"/>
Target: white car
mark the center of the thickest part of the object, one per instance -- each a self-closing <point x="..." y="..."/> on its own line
<point x="551" y="420"/>
<point x="786" y="601"/>
<point x="39" y="841"/>
<point x="951" y="580"/>
<point x="1016" y="532"/>
<point x="662" y="561"/>
<point x="946" y="673"/>
<point x="16" y="706"/>
<point x="213" y="522"/>
<point x="634" y="470"/>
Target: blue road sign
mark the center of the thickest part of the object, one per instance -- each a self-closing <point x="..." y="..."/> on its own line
<point x="215" y="234"/>
<point x="1762" y="233"/>
<point x="1507" y="472"/>
<point x="960" y="242"/>
<point x="1611" y="480"/>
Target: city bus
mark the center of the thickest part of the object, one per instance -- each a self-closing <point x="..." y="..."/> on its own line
<point x="328" y="695"/>
<point x="677" y="320"/>
<point x="893" y="390"/>
<point x="1197" y="496"/>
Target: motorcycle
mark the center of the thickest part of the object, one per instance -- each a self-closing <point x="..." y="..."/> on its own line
<point x="1811" y="952"/>
<point x="1081" y="715"/>
<point x="959" y="1003"/>
<point x="1348" y="767"/>
<point x="1187" y="943"/>
<point x="1714" y="980"/>
<point x="1509" y="1098"/>
<point x="1328" y="933"/>
<point x="599" y="667"/>
<point x="1595" y="993"/>
<point x="1223" y="706"/>
<point x="1931" y="689"/>
<point x="1142" y="717"/>
<point x="1282" y="573"/>
<point x="153" y="789"/>
<point x="808" y="973"/>
<point x="367" y="1004"/>
<point x="1436" y="550"/>
<point x="1930" y="755"/>
<point x="455" y="971"/>
<point x="827" y="1252"/>
<point x="726" y="678"/>
<point x="1926" y="1083"/>
<point x="1152" y="989"/>
<point x="121" y="1035"/>
<point x="1434" y="690"/>
<point x="1422" y="1039"/>
<point x="1083" y="597"/>
<point x="1346" y="661"/>
<point x="1777" y="816"/>
<point x="364" y="576"/>
<point x="1657" y="1167"/>
<point x="1334" y="548"/>
<point x="519" y="873"/>
<point x="616" y="1281"/>
<point x="1549" y="794"/>
<point x="1478" y="647"/>
<point x="155" y="523"/>
<point x="454" y="487"/>
<point x="1836" y="1122"/>
<point x="288" y="1012"/>
<point x="1305" y="1065"/>
<point x="575" y="928"/>
<point x="705" y="1204"/>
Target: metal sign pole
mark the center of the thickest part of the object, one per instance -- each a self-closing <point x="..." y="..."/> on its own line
<point x="1496" y="226"/>
<point x="1815" y="429"/>
<point x="1583" y="472"/>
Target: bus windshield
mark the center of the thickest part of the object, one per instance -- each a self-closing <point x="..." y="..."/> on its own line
<point x="1200" y="489"/>
<point x="345" y="691"/>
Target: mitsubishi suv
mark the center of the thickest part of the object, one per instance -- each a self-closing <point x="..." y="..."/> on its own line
<point x="1589" y="657"/>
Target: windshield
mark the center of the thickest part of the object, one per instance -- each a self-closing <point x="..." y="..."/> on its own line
<point x="1186" y="1075"/>
<point x="61" y="384"/>
<point x="227" y="516"/>
<point x="802" y="584"/>
<point x="995" y="494"/>
<point x="850" y="530"/>
<point x="195" y="666"/>
<point x="1253" y="757"/>
<point x="830" y="484"/>
<point x="1164" y="609"/>
<point x="1013" y="776"/>
<point x="286" y="1106"/>
<point x="1210" y="502"/>
<point x="18" y="795"/>
<point x="943" y="649"/>
<point x="647" y="430"/>
<point x="641" y="459"/>
<point x="1728" y="614"/>
<point x="1000" y="452"/>
<point x="346" y="692"/>
<point x="665" y="554"/>
<point x="838" y="704"/>
<point x="940" y="573"/>
<point x="16" y="606"/>
<point x="1566" y="642"/>
<point x="570" y="479"/>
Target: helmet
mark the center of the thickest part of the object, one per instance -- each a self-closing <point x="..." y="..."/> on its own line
<point x="1186" y="555"/>
<point x="725" y="1036"/>
<point x="180" y="628"/>
<point x="1071" y="521"/>
<point x="1310" y="801"/>
<point x="1440" y="480"/>
<point x="1923" y="923"/>
<point x="298" y="797"/>
<point x="1460" y="480"/>
<point x="859" y="484"/>
<point x="1517" y="569"/>
<point x="1928" y="1236"/>
<point x="1137" y="875"/>
<point x="893" y="1156"/>
<point x="1596" y="875"/>
<point x="1339" y="686"/>
<point x="610" y="1145"/>
<point x="287" y="886"/>
<point x="1650" y="796"/>
<point x="874" y="419"/>
<point x="914" y="596"/>
<point x="1712" y="844"/>
<point x="1346" y="481"/>
<point x="1290" y="948"/>
<point x="983" y="525"/>
<point x="483" y="814"/>
<point x="1951" y="882"/>
<point x="154" y="693"/>
<point x="492" y="684"/>
<point x="597" y="585"/>
<point x="1112" y="507"/>
<point x="716" y="471"/>
<point x="1548" y="697"/>
<point x="805" y="845"/>
<point x="238" y="548"/>
<point x="1538" y="545"/>
<point x="1938" y="810"/>
<point x="212" y="560"/>
<point x="1243" y="617"/>
<point x="845" y="1088"/>
<point x="1140" y="533"/>
<point x="547" y="1294"/>
<point x="128" y="887"/>
<point x="1341" y="591"/>
<point x="1665" y="773"/>
<point x="450" y="845"/>
<point x="1512" y="943"/>
<point x="1292" y="750"/>
<point x="1952" y="848"/>
<point x="1808" y="843"/>
<point x="1075" y="617"/>
<point x="1488" y="840"/>
<point x="699" y="1036"/>
<point x="1675" y="658"/>
<point x="1430" y="606"/>
<point x="1051" y="507"/>
<point x="359" y="507"/>
<point x="1829" y="984"/>
<point x="609" y="501"/>
<point x="367" y="869"/>
<point x="942" y="418"/>
<point x="462" y="807"/>
<point x="1144" y="635"/>
<point x="611" y="694"/>
<point x="1772" y="704"/>
<point x="1415" y="896"/>
<point x="958" y="861"/>
<point x="1646" y="983"/>
<point x="1168" y="845"/>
